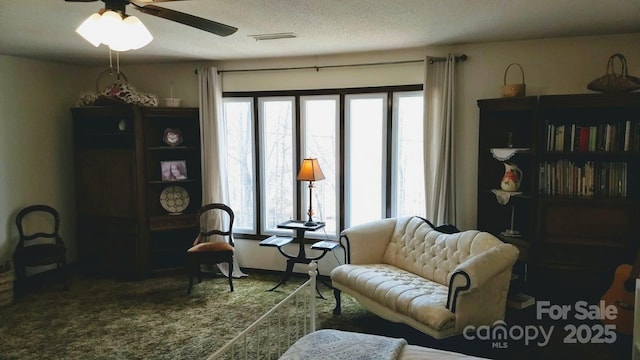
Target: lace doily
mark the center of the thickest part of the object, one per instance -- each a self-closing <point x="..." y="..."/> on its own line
<point x="504" y="154"/>
<point x="504" y="196"/>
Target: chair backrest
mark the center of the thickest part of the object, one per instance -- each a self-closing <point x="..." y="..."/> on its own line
<point x="216" y="219"/>
<point x="50" y="231"/>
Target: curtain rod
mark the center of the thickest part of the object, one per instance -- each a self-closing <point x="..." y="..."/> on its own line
<point x="462" y="57"/>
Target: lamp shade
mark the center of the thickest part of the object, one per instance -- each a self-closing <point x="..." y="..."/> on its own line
<point x="110" y="28"/>
<point x="141" y="36"/>
<point x="310" y="170"/>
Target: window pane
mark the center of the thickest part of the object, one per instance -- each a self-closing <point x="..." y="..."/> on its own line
<point x="409" y="196"/>
<point x="365" y="157"/>
<point x="319" y="119"/>
<point x="238" y="114"/>
<point x="276" y="120"/>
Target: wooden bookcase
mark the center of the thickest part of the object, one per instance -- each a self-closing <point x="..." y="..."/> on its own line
<point x="589" y="195"/>
<point x="509" y="123"/>
<point x="580" y="202"/>
<point x="170" y="235"/>
<point x="123" y="229"/>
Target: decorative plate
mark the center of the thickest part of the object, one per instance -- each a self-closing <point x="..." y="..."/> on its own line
<point x="172" y="137"/>
<point x="174" y="199"/>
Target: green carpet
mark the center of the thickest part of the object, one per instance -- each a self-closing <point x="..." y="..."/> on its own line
<point x="149" y="319"/>
<point x="155" y="319"/>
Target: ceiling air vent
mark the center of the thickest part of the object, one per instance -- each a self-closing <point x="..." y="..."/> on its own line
<point x="274" y="36"/>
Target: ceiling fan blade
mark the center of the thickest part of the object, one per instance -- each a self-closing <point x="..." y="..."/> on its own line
<point x="127" y="1"/>
<point x="187" y="19"/>
<point x="152" y="1"/>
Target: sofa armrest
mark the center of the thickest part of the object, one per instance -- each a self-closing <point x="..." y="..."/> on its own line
<point x="367" y="243"/>
<point x="478" y="287"/>
<point x="478" y="270"/>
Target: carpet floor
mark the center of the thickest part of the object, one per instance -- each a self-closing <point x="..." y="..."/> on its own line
<point x="101" y="318"/>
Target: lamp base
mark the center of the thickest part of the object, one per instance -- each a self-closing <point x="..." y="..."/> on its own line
<point x="511" y="233"/>
<point x="310" y="223"/>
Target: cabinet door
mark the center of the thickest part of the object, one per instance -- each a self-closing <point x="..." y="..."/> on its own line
<point x="105" y="182"/>
<point x="107" y="221"/>
<point x="109" y="246"/>
<point x="581" y="243"/>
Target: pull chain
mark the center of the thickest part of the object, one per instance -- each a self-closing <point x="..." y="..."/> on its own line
<point x="117" y="63"/>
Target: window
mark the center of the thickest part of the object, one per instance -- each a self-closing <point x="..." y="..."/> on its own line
<point x="240" y="162"/>
<point x="319" y="128"/>
<point x="277" y="160"/>
<point x="408" y="172"/>
<point x="368" y="142"/>
<point x="365" y="158"/>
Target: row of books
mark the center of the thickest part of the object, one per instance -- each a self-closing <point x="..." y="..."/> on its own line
<point x="622" y="136"/>
<point x="566" y="178"/>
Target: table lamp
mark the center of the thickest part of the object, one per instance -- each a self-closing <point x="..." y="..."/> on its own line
<point x="310" y="171"/>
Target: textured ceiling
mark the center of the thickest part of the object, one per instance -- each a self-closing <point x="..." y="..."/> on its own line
<point x="44" y="29"/>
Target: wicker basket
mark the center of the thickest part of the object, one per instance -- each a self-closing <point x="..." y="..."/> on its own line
<point x="512" y="90"/>
<point x="6" y="285"/>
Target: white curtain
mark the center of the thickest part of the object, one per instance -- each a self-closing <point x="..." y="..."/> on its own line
<point x="214" y="148"/>
<point x="439" y="116"/>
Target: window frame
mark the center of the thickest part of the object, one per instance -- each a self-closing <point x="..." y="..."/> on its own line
<point x="303" y="185"/>
<point x="262" y="213"/>
<point x="395" y="137"/>
<point x="254" y="162"/>
<point x="296" y="94"/>
<point x="384" y="155"/>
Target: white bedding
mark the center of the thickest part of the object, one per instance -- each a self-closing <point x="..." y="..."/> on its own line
<point x="343" y="345"/>
<point x="414" y="352"/>
<point x="331" y="344"/>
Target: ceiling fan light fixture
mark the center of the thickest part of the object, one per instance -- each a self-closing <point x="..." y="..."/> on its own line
<point x="140" y="34"/>
<point x="90" y="30"/>
<point x="111" y="29"/>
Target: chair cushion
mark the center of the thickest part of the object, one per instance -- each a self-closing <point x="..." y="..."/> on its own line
<point x="41" y="250"/>
<point x="214" y="246"/>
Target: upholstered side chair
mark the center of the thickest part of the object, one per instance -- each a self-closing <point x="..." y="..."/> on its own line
<point x="214" y="244"/>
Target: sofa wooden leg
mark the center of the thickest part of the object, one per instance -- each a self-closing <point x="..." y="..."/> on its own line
<point x="338" y="309"/>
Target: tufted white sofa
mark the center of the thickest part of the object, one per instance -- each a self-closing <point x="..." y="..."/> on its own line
<point x="403" y="270"/>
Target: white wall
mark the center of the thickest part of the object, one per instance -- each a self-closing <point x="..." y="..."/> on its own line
<point x="36" y="147"/>
<point x="552" y="66"/>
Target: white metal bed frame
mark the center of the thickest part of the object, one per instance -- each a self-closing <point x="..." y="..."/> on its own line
<point x="275" y="331"/>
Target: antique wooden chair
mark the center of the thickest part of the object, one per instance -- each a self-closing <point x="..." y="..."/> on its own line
<point x="39" y="242"/>
<point x="216" y="221"/>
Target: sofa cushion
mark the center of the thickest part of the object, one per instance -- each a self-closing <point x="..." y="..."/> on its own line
<point x="399" y="290"/>
<point x="417" y="248"/>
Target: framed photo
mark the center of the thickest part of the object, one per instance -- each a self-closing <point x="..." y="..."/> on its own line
<point x="173" y="170"/>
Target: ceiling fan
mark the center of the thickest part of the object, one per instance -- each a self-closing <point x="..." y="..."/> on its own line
<point x="146" y="7"/>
